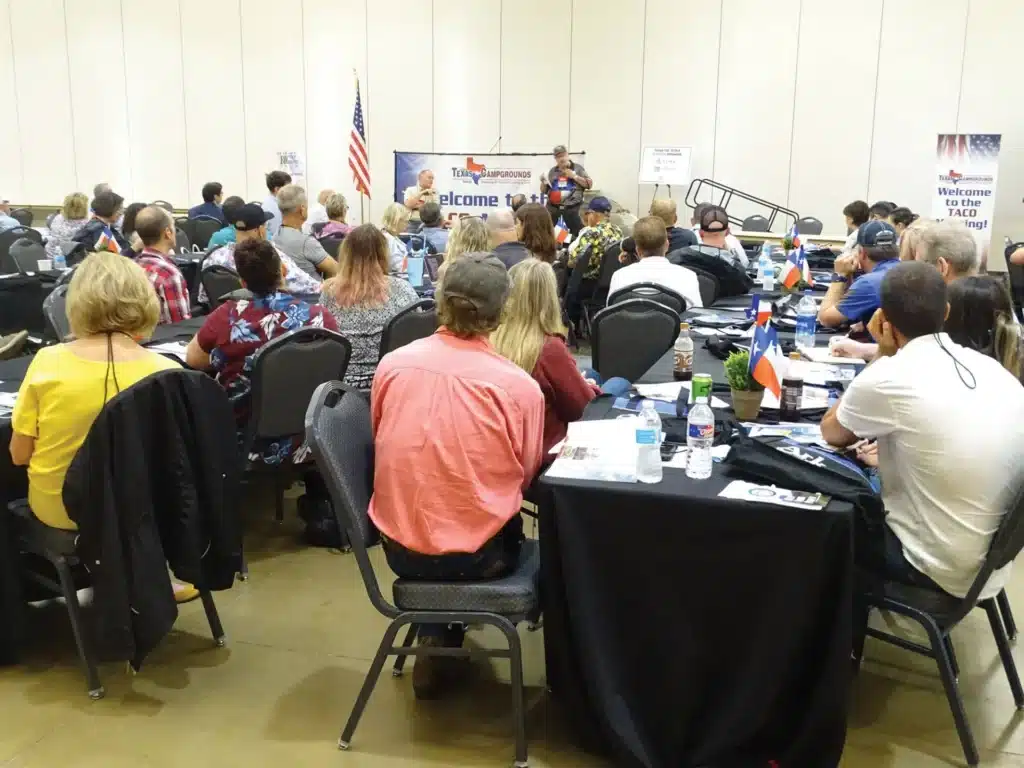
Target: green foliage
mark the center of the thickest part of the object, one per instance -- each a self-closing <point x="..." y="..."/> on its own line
<point x="737" y="372"/>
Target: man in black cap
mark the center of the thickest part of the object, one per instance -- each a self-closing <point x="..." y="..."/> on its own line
<point x="101" y="232"/>
<point x="250" y="223"/>
<point x="564" y="186"/>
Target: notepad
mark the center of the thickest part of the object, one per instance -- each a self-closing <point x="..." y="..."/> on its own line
<point x="824" y="355"/>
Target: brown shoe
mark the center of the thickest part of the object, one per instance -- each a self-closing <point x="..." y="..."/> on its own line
<point x="426" y="672"/>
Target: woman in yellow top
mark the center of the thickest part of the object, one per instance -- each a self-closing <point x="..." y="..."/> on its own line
<point x="111" y="307"/>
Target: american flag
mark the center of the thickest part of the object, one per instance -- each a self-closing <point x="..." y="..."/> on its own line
<point x="968" y="146"/>
<point x="358" y="159"/>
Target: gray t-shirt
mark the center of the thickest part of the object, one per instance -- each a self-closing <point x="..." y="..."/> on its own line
<point x="572" y="193"/>
<point x="304" y="250"/>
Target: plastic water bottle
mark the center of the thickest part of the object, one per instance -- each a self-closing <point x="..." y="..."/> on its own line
<point x="806" y="321"/>
<point x="648" y="443"/>
<point x="765" y="270"/>
<point x="60" y="261"/>
<point x="700" y="436"/>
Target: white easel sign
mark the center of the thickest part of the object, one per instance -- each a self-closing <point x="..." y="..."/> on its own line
<point x="665" y="165"/>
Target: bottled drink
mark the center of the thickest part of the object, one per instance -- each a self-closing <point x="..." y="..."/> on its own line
<point x="682" y="368"/>
<point x="60" y="261"/>
<point x="765" y="270"/>
<point x="648" y="443"/>
<point x="700" y="436"/>
<point x="806" y="321"/>
<point x="792" y="390"/>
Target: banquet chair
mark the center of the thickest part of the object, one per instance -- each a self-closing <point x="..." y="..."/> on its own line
<point x="339" y="433"/>
<point x="417" y="321"/>
<point x="163" y="204"/>
<point x="55" y="312"/>
<point x="26" y="254"/>
<point x="7" y="239"/>
<point x="331" y="244"/>
<point x="573" y="285"/>
<point x="285" y="373"/>
<point x="609" y="266"/>
<point x="938" y="613"/>
<point x="22" y="215"/>
<point x="631" y="336"/>
<point x="809" y="225"/>
<point x="218" y="281"/>
<point x="755" y="223"/>
<point x="709" y="287"/>
<point x="203" y="229"/>
<point x="651" y="291"/>
<point x="182" y="240"/>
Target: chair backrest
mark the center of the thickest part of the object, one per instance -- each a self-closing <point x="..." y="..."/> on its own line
<point x="609" y="266"/>
<point x="182" y="241"/>
<point x="163" y="204"/>
<point x="755" y="223"/>
<point x="285" y="373"/>
<point x="809" y="225"/>
<point x="576" y="275"/>
<point x="630" y="337"/>
<point x="218" y="281"/>
<point x="339" y="434"/>
<point x="651" y="292"/>
<point x="7" y="238"/>
<point x="332" y="244"/>
<point x="417" y="321"/>
<point x="22" y="215"/>
<point x="317" y="228"/>
<point x="26" y="254"/>
<point x="203" y="229"/>
<point x="709" y="287"/>
<point x="55" y="312"/>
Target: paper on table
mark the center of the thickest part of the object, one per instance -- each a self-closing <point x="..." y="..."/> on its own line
<point x="8" y="399"/>
<point x="813" y="398"/>
<point x="175" y="348"/>
<point x="598" y="450"/>
<point x="822" y="373"/>
<point x="669" y="391"/>
<point x="769" y="494"/>
<point x="824" y="355"/>
<point x="801" y="433"/>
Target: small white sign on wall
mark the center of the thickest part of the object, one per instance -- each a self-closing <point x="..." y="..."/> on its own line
<point x="665" y="165"/>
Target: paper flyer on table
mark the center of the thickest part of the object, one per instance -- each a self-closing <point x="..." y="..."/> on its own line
<point x="669" y="391"/>
<point x="800" y="433"/>
<point x="812" y="399"/>
<point x="598" y="450"/>
<point x="824" y="355"/>
<point x="175" y="348"/>
<point x="770" y="494"/>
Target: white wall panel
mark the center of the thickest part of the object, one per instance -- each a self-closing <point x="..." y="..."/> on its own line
<point x="467" y="75"/>
<point x="680" y="86"/>
<point x="606" y="91"/>
<point x="528" y="63"/>
<point x="273" y="86"/>
<point x="44" y="100"/>
<point x="398" y="96"/>
<point x="991" y="77"/>
<point x="335" y="33"/>
<point x="99" y="105"/>
<point x="156" y="109"/>
<point x="919" y="68"/>
<point x="211" y="40"/>
<point x="10" y="140"/>
<point x="835" y="97"/>
<point x="757" y="75"/>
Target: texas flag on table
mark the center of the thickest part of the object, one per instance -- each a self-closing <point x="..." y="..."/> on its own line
<point x="561" y="231"/>
<point x="792" y="272"/>
<point x="760" y="310"/>
<point x="107" y="242"/>
<point x="795" y="237"/>
<point x="766" y="359"/>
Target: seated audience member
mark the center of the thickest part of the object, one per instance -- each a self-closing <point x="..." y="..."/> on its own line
<point x="433" y="230"/>
<point x="715" y="238"/>
<point x="210" y="208"/>
<point x="447" y="507"/>
<point x="156" y="231"/>
<point x="910" y="240"/>
<point x="729" y="243"/>
<point x="276" y="180"/>
<point x="469" y="235"/>
<point x="504" y="238"/>
<point x="881" y="210"/>
<point x="536" y="231"/>
<point x="532" y="336"/>
<point x="6" y="220"/>
<point x="363" y="297"/>
<point x="74" y="215"/>
<point x="101" y="232"/>
<point x="305" y="250"/>
<point x="850" y="300"/>
<point x="946" y="455"/>
<point x="317" y="213"/>
<point x="337" y="211"/>
<point x="393" y="224"/>
<point x="517" y="202"/>
<point x="856" y="214"/>
<point x="950" y="247"/>
<point x="227" y="234"/>
<point x="236" y="330"/>
<point x="627" y="254"/>
<point x="651" y="241"/>
<point x="597" y="235"/>
<point x="713" y="257"/>
<point x="981" y="318"/>
<point x="250" y="222"/>
<point x="677" y="236"/>
<point x="111" y="307"/>
<point x="901" y="218"/>
<point x="128" y="226"/>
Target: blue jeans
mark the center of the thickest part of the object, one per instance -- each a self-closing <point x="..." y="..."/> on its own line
<point x="616" y="385"/>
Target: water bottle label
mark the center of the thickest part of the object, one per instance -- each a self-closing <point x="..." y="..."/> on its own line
<point x="701" y="431"/>
<point x="646" y="436"/>
<point x="806" y="324"/>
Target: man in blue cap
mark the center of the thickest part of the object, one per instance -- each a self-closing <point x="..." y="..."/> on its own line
<point x="596" y="236"/>
<point x="850" y="300"/>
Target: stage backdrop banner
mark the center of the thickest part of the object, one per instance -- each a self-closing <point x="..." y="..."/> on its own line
<point x="965" y="190"/>
<point x="475" y="184"/>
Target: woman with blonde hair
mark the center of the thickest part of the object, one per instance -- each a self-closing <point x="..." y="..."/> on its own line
<point x="910" y="240"/>
<point x="532" y="336"/>
<point x="337" y="210"/>
<point x="468" y="235"/>
<point x="393" y="224"/>
<point x="65" y="225"/>
<point x="363" y="298"/>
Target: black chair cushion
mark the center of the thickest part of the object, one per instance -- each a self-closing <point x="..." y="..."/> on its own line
<point x="514" y="595"/>
<point x="38" y="537"/>
<point x="943" y="607"/>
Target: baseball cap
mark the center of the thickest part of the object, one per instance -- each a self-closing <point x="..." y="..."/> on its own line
<point x="480" y="279"/>
<point x="106" y="203"/>
<point x="250" y="216"/>
<point x="874" y="233"/>
<point x="600" y="205"/>
<point x="714" y="219"/>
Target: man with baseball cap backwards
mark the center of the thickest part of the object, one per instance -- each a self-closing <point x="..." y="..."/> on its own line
<point x="852" y="300"/>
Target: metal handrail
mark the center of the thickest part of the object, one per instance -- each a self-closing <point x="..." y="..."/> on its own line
<point x="699" y="192"/>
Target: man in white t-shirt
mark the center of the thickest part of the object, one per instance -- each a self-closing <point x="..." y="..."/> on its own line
<point x="651" y="239"/>
<point x="950" y="428"/>
<point x="729" y="242"/>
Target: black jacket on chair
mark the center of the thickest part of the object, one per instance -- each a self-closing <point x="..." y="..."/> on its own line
<point x="155" y="484"/>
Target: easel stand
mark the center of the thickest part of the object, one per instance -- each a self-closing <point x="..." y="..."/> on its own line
<point x="656" y="188"/>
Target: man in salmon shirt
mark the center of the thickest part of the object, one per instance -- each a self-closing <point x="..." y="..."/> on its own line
<point x="458" y="436"/>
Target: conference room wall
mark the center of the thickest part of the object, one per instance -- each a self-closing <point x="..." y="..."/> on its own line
<point x="10" y="170"/>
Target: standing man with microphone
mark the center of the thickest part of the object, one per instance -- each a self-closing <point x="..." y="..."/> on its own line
<point x="564" y="186"/>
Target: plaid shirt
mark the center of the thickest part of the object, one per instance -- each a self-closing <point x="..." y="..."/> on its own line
<point x="169" y="284"/>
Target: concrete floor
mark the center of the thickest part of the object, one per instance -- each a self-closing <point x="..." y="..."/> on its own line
<point x="301" y="633"/>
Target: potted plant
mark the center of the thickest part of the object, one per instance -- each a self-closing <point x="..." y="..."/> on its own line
<point x="746" y="393"/>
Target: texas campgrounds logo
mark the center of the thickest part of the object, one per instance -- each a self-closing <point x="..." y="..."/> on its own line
<point x="479" y="172"/>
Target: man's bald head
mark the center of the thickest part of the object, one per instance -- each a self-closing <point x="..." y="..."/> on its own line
<point x="155" y="227"/>
<point x="666" y="211"/>
<point x="501" y="225"/>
